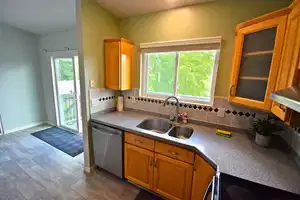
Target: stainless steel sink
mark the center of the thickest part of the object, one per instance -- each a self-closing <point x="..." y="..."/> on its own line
<point x="181" y="132"/>
<point x="155" y="125"/>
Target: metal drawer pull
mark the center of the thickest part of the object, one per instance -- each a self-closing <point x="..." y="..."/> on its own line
<point x="138" y="141"/>
<point x="282" y="107"/>
<point x="151" y="161"/>
<point x="172" y="152"/>
<point x="230" y="90"/>
<point x="155" y="163"/>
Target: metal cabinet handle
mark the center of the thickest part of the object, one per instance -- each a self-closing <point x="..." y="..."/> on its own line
<point x="151" y="161"/>
<point x="155" y="160"/>
<point x="172" y="152"/>
<point x="138" y="141"/>
<point x="230" y="90"/>
<point x="282" y="108"/>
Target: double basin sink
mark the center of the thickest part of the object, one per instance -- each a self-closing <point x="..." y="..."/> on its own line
<point x="162" y="126"/>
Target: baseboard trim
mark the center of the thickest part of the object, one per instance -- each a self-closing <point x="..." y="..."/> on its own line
<point x="24" y="127"/>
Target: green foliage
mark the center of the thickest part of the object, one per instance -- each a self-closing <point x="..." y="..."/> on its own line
<point x="194" y="72"/>
<point x="65" y="69"/>
<point x="265" y="127"/>
<point x="161" y="76"/>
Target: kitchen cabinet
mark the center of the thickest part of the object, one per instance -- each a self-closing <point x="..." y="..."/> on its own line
<point x="119" y="64"/>
<point x="203" y="174"/>
<point x="172" y="178"/>
<point x="289" y="67"/>
<point x="165" y="169"/>
<point x="138" y="165"/>
<point x="256" y="60"/>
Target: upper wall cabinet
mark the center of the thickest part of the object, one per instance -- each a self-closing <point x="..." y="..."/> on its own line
<point x="119" y="64"/>
<point x="256" y="61"/>
<point x="290" y="62"/>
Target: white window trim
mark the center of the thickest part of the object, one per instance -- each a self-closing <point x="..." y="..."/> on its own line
<point x="144" y="69"/>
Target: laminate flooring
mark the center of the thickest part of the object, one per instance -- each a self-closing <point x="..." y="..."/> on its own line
<point x="31" y="169"/>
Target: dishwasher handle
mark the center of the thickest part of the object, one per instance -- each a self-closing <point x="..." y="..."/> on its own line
<point x="107" y="129"/>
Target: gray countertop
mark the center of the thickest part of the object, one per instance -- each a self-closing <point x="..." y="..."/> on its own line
<point x="237" y="156"/>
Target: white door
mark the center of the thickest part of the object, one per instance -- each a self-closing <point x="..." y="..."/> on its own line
<point x="65" y="70"/>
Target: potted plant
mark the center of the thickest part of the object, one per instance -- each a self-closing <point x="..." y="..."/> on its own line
<point x="264" y="130"/>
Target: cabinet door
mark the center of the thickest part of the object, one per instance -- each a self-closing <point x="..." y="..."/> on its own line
<point x="112" y="64"/>
<point x="138" y="166"/>
<point x="290" y="61"/>
<point x="172" y="178"/>
<point x="256" y="62"/>
<point x="126" y="81"/>
<point x="203" y="174"/>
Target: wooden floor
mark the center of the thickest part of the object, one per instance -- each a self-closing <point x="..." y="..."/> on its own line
<point x="30" y="169"/>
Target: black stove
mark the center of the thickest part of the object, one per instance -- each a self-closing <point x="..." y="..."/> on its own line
<point x="234" y="188"/>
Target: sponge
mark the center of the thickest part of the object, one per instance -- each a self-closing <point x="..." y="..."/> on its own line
<point x="223" y="133"/>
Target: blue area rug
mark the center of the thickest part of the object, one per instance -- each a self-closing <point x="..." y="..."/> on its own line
<point x="61" y="139"/>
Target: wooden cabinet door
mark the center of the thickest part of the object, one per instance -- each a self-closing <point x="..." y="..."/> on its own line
<point x="138" y="166"/>
<point x="126" y="81"/>
<point x="203" y="174"/>
<point x="112" y="64"/>
<point x="288" y="74"/>
<point x="256" y="62"/>
<point x="172" y="178"/>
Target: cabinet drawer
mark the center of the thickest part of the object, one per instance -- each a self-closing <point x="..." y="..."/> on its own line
<point x="139" y="141"/>
<point x="175" y="152"/>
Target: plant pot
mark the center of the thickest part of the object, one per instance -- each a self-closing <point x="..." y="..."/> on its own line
<point x="262" y="140"/>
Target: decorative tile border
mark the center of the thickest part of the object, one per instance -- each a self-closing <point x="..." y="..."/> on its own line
<point x="107" y="98"/>
<point x="194" y="106"/>
<point x="101" y="99"/>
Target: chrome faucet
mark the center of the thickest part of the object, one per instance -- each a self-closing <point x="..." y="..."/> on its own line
<point x="176" y="118"/>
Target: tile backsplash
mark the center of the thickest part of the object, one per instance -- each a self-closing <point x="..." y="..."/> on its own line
<point x="102" y="99"/>
<point x="235" y="116"/>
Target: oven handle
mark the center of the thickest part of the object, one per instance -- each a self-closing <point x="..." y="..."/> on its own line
<point x="210" y="188"/>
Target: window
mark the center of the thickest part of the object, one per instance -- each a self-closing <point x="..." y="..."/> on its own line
<point x="185" y="69"/>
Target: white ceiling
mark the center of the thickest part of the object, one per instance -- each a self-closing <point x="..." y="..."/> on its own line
<point x="39" y="16"/>
<point x="128" y="8"/>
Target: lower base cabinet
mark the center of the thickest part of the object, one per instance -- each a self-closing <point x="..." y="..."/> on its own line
<point x="138" y="166"/>
<point x="172" y="178"/>
<point x="203" y="174"/>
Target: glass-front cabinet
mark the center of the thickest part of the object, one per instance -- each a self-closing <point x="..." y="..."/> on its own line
<point x="256" y="62"/>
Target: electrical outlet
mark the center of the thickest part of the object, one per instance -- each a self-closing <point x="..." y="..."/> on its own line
<point x="92" y="83"/>
<point x="221" y="112"/>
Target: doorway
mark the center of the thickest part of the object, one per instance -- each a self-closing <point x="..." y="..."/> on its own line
<point x="65" y="73"/>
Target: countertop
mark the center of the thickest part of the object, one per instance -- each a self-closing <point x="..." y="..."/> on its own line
<point x="237" y="156"/>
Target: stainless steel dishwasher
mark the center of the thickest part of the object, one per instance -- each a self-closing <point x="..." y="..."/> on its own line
<point x="108" y="148"/>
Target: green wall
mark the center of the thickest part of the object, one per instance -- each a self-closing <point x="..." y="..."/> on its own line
<point x="218" y="18"/>
<point x="97" y="25"/>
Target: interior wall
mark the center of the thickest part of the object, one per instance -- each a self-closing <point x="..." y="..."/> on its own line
<point x="53" y="42"/>
<point x="95" y="24"/>
<point x="218" y="18"/>
<point x="21" y="96"/>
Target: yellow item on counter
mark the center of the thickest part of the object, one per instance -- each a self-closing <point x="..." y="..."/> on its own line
<point x="223" y="133"/>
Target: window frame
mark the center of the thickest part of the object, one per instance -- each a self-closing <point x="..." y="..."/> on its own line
<point x="182" y="98"/>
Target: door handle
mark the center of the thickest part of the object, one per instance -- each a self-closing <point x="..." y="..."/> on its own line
<point x="151" y="161"/>
<point x="230" y="90"/>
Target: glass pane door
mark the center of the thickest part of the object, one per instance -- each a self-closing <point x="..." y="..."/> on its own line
<point x="255" y="64"/>
<point x="66" y="92"/>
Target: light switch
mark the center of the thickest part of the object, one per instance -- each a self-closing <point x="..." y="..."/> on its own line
<point x="221" y="112"/>
<point x="92" y="83"/>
